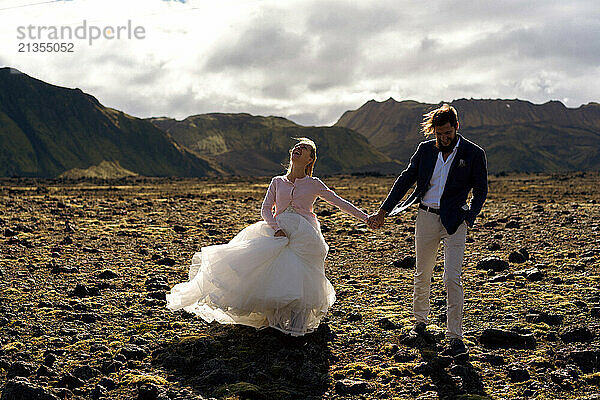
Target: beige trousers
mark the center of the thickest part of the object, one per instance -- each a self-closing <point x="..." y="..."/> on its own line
<point x="429" y="231"/>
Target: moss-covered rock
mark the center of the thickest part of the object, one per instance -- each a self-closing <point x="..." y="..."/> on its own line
<point x="242" y="390"/>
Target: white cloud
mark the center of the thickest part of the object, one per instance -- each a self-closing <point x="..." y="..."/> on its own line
<point x="312" y="60"/>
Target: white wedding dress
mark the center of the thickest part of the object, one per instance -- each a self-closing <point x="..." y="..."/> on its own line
<point x="260" y="280"/>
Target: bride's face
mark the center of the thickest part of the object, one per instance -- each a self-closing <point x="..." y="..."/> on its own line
<point x="300" y="154"/>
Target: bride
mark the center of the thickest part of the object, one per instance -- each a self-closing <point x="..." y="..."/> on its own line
<point x="272" y="272"/>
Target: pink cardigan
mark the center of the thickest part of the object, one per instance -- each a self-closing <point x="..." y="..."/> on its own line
<point x="301" y="194"/>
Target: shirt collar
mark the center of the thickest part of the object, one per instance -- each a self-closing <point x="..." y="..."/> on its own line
<point x="285" y="178"/>
<point x="455" y="149"/>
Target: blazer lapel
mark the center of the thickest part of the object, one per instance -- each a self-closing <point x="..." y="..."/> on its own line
<point x="457" y="157"/>
<point x="431" y="166"/>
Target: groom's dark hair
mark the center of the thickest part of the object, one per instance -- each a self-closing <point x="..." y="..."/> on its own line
<point x="440" y="116"/>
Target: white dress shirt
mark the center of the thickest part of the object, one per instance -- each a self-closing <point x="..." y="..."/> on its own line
<point x="438" y="179"/>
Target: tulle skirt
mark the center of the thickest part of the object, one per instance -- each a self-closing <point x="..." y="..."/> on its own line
<point x="260" y="280"/>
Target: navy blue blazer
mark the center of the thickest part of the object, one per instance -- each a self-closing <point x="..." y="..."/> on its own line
<point x="468" y="171"/>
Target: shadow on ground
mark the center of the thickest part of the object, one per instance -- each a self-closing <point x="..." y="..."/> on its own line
<point x="451" y="377"/>
<point x="234" y="360"/>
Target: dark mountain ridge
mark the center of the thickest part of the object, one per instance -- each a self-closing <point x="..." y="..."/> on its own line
<point x="51" y="131"/>
<point x="517" y="135"/>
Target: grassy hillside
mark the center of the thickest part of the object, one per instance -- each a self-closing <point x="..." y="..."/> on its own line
<point x="244" y="144"/>
<point x="46" y="130"/>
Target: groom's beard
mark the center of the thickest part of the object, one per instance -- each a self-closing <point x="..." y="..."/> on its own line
<point x="446" y="149"/>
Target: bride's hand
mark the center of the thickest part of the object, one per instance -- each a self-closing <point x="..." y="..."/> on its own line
<point x="280" y="233"/>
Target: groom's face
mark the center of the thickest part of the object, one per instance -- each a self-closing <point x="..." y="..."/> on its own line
<point x="445" y="136"/>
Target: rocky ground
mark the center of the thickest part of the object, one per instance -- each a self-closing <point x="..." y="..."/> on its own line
<point x="85" y="266"/>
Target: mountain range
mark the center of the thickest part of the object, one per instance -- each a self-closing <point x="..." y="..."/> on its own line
<point x="52" y="131"/>
<point x="244" y="144"/>
<point x="517" y="135"/>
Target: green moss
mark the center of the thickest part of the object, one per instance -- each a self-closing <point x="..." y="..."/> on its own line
<point x="82" y="345"/>
<point x="13" y="346"/>
<point x="477" y="365"/>
<point x="404" y="369"/>
<point x="132" y="379"/>
<point x="191" y="339"/>
<point x="244" y="389"/>
<point x="116" y="344"/>
<point x="542" y="326"/>
<point x="143" y="327"/>
<point x="50" y="312"/>
<point x="149" y="336"/>
<point x="428" y="353"/>
<point x="389" y="348"/>
<point x="594" y="378"/>
<point x="356" y="370"/>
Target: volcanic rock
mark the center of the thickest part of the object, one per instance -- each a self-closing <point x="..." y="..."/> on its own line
<point x="61" y="269"/>
<point x="179" y="228"/>
<point x="108" y="383"/>
<point x="49" y="359"/>
<point x="543" y="317"/>
<point x="69" y="381"/>
<point x="492" y="263"/>
<point x="516" y="257"/>
<point x="133" y="352"/>
<point x="564" y="377"/>
<point x="166" y="261"/>
<point x="156" y="283"/>
<point x="354" y="317"/>
<point x="407" y="262"/>
<point x="531" y="274"/>
<point x="45" y="371"/>
<point x="586" y="360"/>
<point x="494" y="246"/>
<point x="85" y="372"/>
<point x="386" y="324"/>
<point x="507" y="339"/>
<point x="21" y="389"/>
<point x="499" y="278"/>
<point x="107" y="274"/>
<point x="20" y="368"/>
<point x="517" y="373"/>
<point x="98" y="392"/>
<point x="513" y="224"/>
<point x="577" y="334"/>
<point x="403" y="356"/>
<point x="352" y="386"/>
<point x="9" y="232"/>
<point x="81" y="290"/>
<point x="147" y="391"/>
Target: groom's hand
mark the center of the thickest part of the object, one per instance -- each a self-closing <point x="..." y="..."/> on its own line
<point x="375" y="221"/>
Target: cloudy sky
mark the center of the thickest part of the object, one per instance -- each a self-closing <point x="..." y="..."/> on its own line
<point x="308" y="60"/>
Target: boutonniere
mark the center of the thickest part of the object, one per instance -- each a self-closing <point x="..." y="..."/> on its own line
<point x="462" y="163"/>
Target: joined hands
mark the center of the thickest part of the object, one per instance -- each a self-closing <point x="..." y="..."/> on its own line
<point x="375" y="221"/>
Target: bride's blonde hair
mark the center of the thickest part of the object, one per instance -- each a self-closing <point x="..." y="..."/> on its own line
<point x="313" y="153"/>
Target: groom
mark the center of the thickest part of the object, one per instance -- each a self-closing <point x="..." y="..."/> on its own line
<point x="445" y="170"/>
